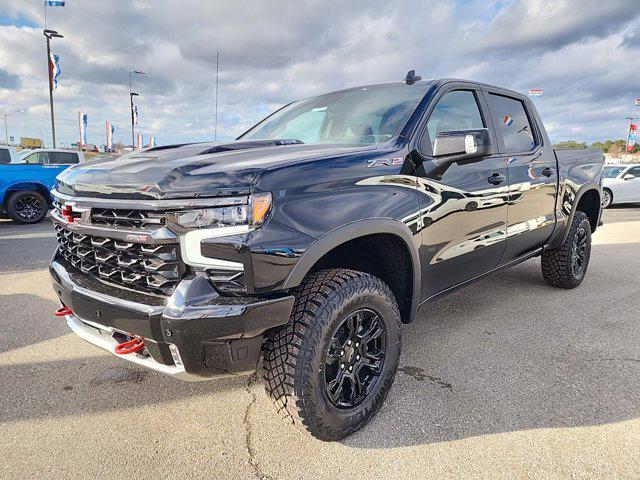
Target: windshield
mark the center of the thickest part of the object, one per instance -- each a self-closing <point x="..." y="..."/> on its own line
<point x="612" y="172"/>
<point x="366" y="116"/>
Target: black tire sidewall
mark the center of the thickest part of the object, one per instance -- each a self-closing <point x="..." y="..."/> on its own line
<point x="341" y="305"/>
<point x="13" y="214"/>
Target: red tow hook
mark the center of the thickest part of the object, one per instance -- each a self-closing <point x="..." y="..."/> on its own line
<point x="132" y="346"/>
<point x="63" y="311"/>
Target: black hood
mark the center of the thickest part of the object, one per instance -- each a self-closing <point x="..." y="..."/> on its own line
<point x="188" y="171"/>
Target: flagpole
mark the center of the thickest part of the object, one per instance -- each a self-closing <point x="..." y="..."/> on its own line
<point x="48" y="35"/>
<point x="215" y="124"/>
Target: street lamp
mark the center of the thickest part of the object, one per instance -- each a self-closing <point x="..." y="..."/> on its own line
<point x="49" y="34"/>
<point x="6" y="136"/>
<point x="131" y="95"/>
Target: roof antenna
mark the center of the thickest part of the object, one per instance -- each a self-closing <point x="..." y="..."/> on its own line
<point x="411" y="77"/>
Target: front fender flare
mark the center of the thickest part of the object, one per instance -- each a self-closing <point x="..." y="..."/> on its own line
<point x="351" y="231"/>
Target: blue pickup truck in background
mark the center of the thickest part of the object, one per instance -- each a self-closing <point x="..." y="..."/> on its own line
<point x="27" y="178"/>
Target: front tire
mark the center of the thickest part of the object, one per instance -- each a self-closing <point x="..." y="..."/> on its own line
<point x="27" y="207"/>
<point x="607" y="198"/>
<point x="330" y="368"/>
<point x="566" y="266"/>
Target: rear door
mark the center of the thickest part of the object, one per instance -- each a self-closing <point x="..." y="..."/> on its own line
<point x="531" y="170"/>
<point x="463" y="209"/>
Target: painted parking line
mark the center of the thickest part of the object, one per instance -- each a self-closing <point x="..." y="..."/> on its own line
<point x="24" y="236"/>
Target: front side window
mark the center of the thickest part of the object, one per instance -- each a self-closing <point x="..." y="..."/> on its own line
<point x="611" y="172"/>
<point x="457" y="110"/>
<point x="635" y="171"/>
<point x="513" y="123"/>
<point x="365" y="116"/>
<point x="36" y="158"/>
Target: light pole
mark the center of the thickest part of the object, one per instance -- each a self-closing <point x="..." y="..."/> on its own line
<point x="6" y="135"/>
<point x="49" y="34"/>
<point x="131" y="95"/>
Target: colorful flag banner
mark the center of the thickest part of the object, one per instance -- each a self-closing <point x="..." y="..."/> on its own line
<point x="110" y="130"/>
<point x="54" y="69"/>
<point x="536" y="92"/>
<point x="152" y="141"/>
<point x="507" y="120"/>
<point x="135" y="114"/>
<point x="631" y="139"/>
<point x="139" y="142"/>
<point x="637" y="102"/>
<point x="54" y="3"/>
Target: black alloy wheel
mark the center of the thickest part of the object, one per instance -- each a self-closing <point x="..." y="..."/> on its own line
<point x="355" y="358"/>
<point x="579" y="255"/>
<point x="27" y="206"/>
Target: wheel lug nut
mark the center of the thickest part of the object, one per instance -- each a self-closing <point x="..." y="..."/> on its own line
<point x="342" y="353"/>
<point x="342" y="366"/>
<point x="350" y="369"/>
<point x="348" y="342"/>
<point x="357" y="357"/>
<point x="357" y="344"/>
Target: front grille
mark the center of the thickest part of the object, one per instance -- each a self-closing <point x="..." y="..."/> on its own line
<point x="150" y="268"/>
<point x="126" y="218"/>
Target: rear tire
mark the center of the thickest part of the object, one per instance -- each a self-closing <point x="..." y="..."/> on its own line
<point x="607" y="198"/>
<point x="27" y="206"/>
<point x="566" y="266"/>
<point x="320" y="370"/>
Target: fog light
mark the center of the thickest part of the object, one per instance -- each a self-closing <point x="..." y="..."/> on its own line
<point x="175" y="354"/>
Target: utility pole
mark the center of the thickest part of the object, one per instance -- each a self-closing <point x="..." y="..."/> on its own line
<point x="6" y="134"/>
<point x="49" y="34"/>
<point x="131" y="95"/>
<point x="215" y="123"/>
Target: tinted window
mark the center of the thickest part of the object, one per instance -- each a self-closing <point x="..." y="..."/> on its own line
<point x="455" y="111"/>
<point x="5" y="156"/>
<point x="63" y="158"/>
<point x="513" y="123"/>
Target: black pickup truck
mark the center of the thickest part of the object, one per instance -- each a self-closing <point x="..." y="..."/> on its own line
<point x="309" y="240"/>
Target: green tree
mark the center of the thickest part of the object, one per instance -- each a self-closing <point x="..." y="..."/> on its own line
<point x="569" y="144"/>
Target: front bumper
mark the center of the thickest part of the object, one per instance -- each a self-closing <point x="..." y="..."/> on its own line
<point x="194" y="334"/>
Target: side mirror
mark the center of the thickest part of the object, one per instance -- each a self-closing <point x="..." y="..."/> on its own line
<point x="463" y="144"/>
<point x="629" y="176"/>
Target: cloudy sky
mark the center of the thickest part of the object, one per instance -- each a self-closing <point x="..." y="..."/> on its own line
<point x="585" y="54"/>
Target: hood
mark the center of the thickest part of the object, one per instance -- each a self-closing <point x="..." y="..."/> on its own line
<point x="188" y="171"/>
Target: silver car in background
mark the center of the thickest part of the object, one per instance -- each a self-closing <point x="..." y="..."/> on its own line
<point x="620" y="184"/>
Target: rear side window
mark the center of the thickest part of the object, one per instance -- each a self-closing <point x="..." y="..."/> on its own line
<point x="635" y="171"/>
<point x="66" y="158"/>
<point x="457" y="110"/>
<point x="513" y="123"/>
<point x="5" y="156"/>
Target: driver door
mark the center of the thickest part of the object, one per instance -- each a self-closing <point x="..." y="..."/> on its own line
<point x="628" y="190"/>
<point x="463" y="203"/>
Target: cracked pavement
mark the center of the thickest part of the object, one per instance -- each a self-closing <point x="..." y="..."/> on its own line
<point x="507" y="378"/>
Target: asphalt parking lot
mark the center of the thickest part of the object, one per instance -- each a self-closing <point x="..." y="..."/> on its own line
<point x="508" y="378"/>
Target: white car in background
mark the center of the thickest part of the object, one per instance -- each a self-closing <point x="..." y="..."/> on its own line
<point x="620" y="184"/>
<point x="49" y="156"/>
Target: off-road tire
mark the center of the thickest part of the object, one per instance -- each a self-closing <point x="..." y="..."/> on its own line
<point x="607" y="198"/>
<point x="294" y="355"/>
<point x="558" y="264"/>
<point x="13" y="206"/>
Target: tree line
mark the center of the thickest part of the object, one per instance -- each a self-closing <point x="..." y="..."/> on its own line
<point x="612" y="147"/>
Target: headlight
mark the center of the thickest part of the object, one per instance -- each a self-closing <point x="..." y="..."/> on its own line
<point x="253" y="214"/>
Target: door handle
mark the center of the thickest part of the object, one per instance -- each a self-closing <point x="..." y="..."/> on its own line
<point x="496" y="179"/>
<point x="547" y="172"/>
